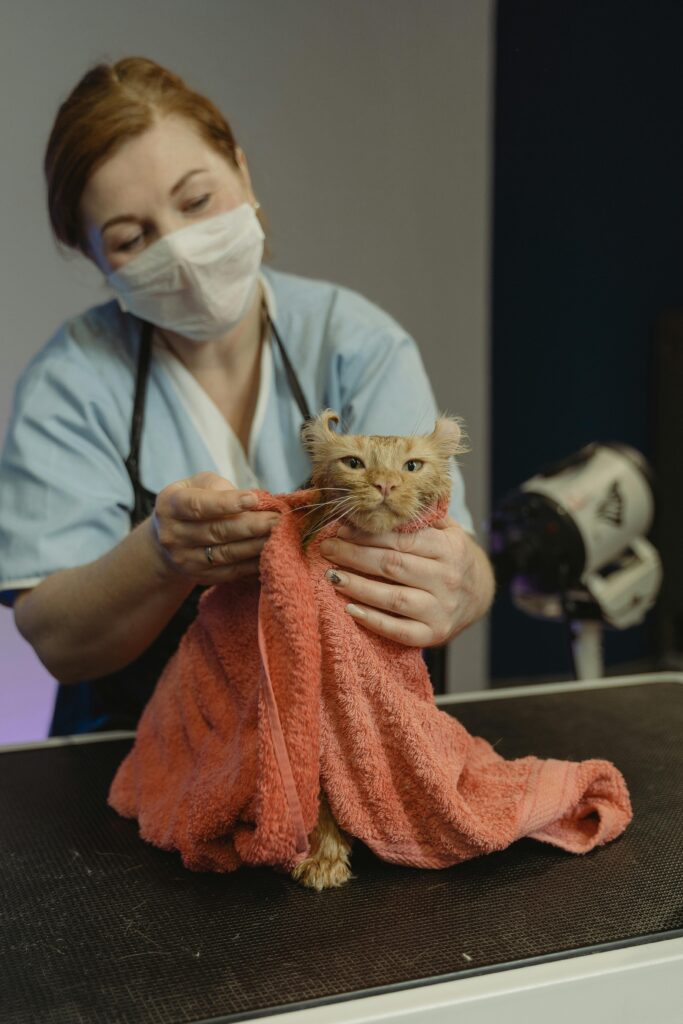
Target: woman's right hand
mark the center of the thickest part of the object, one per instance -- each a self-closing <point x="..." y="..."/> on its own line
<point x="207" y="511"/>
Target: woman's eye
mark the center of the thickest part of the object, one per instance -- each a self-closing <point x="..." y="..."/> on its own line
<point x="198" y="204"/>
<point x="130" y="244"/>
<point x="412" y="465"/>
<point x="352" y="462"/>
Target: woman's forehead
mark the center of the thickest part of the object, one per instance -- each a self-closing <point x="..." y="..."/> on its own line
<point x="147" y="167"/>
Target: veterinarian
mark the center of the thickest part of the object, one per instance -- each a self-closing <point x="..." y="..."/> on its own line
<point x="142" y="427"/>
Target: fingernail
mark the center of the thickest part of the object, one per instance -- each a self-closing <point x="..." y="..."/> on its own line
<point x="248" y="501"/>
<point x="357" y="612"/>
<point x="334" y="577"/>
<point x="344" y="532"/>
<point x="328" y="547"/>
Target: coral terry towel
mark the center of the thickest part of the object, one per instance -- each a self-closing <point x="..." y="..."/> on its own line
<point x="276" y="689"/>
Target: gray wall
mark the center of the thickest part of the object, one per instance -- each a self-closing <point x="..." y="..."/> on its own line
<point x="367" y="128"/>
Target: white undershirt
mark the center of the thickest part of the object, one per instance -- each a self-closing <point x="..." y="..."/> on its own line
<point x="219" y="437"/>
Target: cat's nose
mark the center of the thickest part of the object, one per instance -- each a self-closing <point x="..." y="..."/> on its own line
<point x="384" y="487"/>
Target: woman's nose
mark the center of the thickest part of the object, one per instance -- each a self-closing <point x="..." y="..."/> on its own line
<point x="169" y="222"/>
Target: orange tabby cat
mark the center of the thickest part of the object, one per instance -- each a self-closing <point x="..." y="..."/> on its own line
<point x="374" y="483"/>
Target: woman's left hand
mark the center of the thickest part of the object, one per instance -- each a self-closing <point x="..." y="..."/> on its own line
<point x="429" y="585"/>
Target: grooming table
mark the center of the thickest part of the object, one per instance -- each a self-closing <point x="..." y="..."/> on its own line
<point x="97" y="926"/>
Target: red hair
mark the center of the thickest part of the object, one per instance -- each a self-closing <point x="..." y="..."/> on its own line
<point x="111" y="104"/>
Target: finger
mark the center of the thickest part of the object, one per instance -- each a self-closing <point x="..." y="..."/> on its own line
<point x="224" y="555"/>
<point x="387" y="563"/>
<point x="445" y="523"/>
<point x="402" y="631"/>
<point x="197" y="504"/>
<point x="394" y="598"/>
<point x="427" y="543"/>
<point x="209" y="480"/>
<point x="227" y="573"/>
<point x="230" y="530"/>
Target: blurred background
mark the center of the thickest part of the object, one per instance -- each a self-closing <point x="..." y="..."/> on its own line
<point x="502" y="178"/>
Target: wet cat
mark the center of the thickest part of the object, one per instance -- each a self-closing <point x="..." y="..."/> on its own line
<point x="375" y="483"/>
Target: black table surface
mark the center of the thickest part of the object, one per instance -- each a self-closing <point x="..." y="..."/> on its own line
<point x="97" y="925"/>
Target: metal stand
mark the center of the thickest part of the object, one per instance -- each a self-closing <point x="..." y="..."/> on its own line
<point x="587" y="648"/>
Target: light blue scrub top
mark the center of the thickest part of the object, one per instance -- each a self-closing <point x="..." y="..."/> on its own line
<point x="65" y="495"/>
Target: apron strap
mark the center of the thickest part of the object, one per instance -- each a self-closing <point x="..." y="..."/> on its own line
<point x="132" y="463"/>
<point x="292" y="378"/>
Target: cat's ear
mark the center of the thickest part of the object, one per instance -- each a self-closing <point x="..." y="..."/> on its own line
<point x="449" y="435"/>
<point x="317" y="432"/>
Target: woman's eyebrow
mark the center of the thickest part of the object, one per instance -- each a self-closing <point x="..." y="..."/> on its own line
<point x="121" y="219"/>
<point x="179" y="184"/>
<point x="124" y="218"/>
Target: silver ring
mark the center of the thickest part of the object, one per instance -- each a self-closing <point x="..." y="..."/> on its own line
<point x="208" y="551"/>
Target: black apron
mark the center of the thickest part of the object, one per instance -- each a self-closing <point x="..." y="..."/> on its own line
<point x="116" y="701"/>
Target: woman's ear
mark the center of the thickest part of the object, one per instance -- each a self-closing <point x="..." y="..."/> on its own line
<point x="244" y="172"/>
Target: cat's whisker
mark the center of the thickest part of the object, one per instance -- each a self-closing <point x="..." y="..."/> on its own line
<point x="336" y="502"/>
<point x="321" y="504"/>
<point x="336" y="512"/>
<point x="347" y="512"/>
<point x="417" y="517"/>
<point x="331" y="519"/>
<point x="350" y="499"/>
<point x="331" y="516"/>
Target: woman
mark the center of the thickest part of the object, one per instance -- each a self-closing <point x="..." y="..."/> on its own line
<point x="141" y="427"/>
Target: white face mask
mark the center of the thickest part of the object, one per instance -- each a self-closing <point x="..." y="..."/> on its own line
<point x="197" y="281"/>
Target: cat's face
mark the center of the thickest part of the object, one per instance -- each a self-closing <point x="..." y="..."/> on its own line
<point x="382" y="482"/>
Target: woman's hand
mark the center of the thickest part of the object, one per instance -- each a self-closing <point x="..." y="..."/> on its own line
<point x="431" y="584"/>
<point x="207" y="511"/>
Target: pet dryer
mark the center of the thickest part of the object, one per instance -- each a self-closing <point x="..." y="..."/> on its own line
<point x="571" y="545"/>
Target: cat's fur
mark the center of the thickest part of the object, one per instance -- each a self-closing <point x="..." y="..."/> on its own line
<point x="398" y="478"/>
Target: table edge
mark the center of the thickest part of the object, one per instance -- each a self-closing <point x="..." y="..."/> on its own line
<point x="471" y="696"/>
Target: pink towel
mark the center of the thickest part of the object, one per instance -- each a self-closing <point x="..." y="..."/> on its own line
<point x="275" y="689"/>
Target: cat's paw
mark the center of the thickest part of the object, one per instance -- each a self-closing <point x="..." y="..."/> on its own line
<point x="327" y="867"/>
<point x="322" y="874"/>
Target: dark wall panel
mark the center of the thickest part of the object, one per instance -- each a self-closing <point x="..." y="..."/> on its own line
<point x="588" y="251"/>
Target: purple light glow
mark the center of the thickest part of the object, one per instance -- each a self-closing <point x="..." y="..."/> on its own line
<point x="27" y="690"/>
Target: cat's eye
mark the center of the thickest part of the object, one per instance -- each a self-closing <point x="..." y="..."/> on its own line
<point x="412" y="465"/>
<point x="352" y="462"/>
